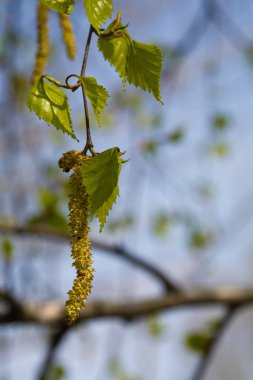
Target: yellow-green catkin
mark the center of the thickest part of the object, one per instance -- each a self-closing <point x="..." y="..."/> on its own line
<point x="43" y="44"/>
<point x="79" y="231"/>
<point x="68" y="35"/>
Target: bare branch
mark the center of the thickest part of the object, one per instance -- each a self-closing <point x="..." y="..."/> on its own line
<point x="52" y="313"/>
<point x="197" y="28"/>
<point x="14" y="307"/>
<point x="230" y="28"/>
<point x="121" y="252"/>
<point x="116" y="250"/>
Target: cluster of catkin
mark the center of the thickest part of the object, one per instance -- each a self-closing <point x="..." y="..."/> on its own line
<point x="43" y="42"/>
<point x="79" y="231"/>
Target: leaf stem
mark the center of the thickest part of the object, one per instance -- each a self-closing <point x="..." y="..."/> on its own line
<point x="89" y="144"/>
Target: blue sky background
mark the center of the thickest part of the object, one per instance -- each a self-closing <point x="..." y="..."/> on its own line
<point x="215" y="78"/>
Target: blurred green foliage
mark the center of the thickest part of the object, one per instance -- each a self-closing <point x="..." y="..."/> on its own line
<point x="207" y="190"/>
<point x="200" y="239"/>
<point x="199" y="341"/>
<point x="7" y="249"/>
<point x="220" y="122"/>
<point x="220" y="150"/>
<point x="123" y="223"/>
<point x="248" y="53"/>
<point x="149" y="147"/>
<point x="177" y="135"/>
<point x="162" y="224"/>
<point x="57" y="372"/>
<point x="119" y="373"/>
<point x="146" y="119"/>
<point x="49" y="214"/>
<point x="155" y="328"/>
<point x="20" y="87"/>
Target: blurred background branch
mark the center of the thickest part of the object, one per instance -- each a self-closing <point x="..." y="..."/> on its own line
<point x="177" y="284"/>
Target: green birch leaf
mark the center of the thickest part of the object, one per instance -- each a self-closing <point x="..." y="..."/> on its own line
<point x="100" y="175"/>
<point x="61" y="6"/>
<point x="50" y="103"/>
<point x="103" y="212"/>
<point x="96" y="94"/>
<point x="98" y="11"/>
<point x="139" y="63"/>
<point x="115" y="49"/>
<point x="144" y="67"/>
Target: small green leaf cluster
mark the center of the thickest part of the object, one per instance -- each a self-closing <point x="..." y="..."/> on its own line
<point x="94" y="182"/>
<point x="139" y="64"/>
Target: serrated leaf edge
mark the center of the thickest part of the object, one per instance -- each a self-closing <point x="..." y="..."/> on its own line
<point x="160" y="53"/>
<point x="48" y="123"/>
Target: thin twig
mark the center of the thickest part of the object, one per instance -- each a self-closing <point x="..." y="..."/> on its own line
<point x="89" y="144"/>
<point x="231" y="28"/>
<point x="148" y="267"/>
<point x="197" y="28"/>
<point x="190" y="40"/>
<point x="208" y="355"/>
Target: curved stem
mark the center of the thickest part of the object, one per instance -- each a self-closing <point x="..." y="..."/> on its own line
<point x="86" y="52"/>
<point x="72" y="87"/>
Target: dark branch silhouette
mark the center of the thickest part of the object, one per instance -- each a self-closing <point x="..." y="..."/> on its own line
<point x="55" y="340"/>
<point x="116" y="250"/>
<point x="52" y="313"/>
